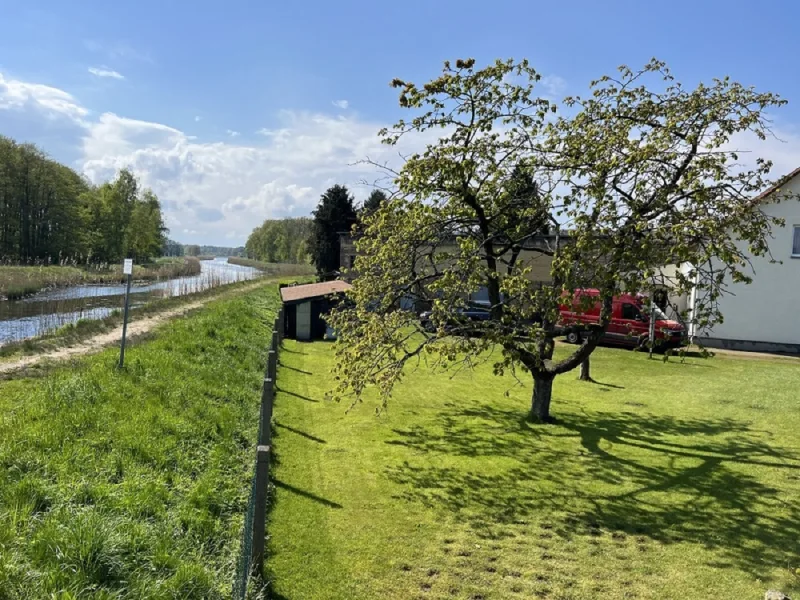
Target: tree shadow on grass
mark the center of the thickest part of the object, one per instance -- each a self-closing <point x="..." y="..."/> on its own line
<point x="663" y="477"/>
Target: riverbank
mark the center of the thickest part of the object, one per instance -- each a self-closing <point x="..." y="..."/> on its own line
<point x="274" y="269"/>
<point x="135" y="482"/>
<point x="88" y="336"/>
<point x="18" y="282"/>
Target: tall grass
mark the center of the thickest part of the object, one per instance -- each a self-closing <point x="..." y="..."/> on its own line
<point x="133" y="483"/>
<point x="274" y="269"/>
<point x="19" y="281"/>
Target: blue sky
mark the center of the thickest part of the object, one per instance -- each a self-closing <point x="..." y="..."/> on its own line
<point x="234" y="112"/>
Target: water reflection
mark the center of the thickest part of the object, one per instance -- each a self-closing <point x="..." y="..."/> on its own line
<point x="22" y="319"/>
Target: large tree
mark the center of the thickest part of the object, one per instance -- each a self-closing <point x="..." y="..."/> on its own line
<point x="639" y="176"/>
<point x="334" y="215"/>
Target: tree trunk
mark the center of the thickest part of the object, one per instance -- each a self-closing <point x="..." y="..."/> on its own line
<point x="540" y="403"/>
<point x="585" y="373"/>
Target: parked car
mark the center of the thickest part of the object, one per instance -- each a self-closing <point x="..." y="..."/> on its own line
<point x="474" y="311"/>
<point x="630" y="320"/>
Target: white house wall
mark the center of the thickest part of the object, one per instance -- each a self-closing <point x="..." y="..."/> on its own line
<point x="765" y="315"/>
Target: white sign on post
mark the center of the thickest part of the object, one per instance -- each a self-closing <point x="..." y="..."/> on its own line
<point x="127" y="267"/>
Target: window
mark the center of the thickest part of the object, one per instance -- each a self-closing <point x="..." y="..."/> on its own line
<point x="351" y="261"/>
<point x="630" y="312"/>
<point x="796" y="241"/>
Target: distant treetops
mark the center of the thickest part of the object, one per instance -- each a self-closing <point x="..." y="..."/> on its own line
<point x="48" y="212"/>
<point x="315" y="239"/>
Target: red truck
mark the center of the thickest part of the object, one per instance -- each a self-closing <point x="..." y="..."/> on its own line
<point x="630" y="320"/>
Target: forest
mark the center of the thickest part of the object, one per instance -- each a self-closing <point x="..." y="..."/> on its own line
<point x="51" y="214"/>
<point x="281" y="240"/>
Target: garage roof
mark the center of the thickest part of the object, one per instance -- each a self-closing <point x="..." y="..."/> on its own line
<point x="295" y="293"/>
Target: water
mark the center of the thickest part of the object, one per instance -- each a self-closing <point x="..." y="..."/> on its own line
<point x="43" y="312"/>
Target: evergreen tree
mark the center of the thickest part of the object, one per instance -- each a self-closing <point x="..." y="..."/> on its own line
<point x="334" y="215"/>
<point x="373" y="203"/>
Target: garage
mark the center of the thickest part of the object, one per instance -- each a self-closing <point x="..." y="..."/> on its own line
<point x="305" y="307"/>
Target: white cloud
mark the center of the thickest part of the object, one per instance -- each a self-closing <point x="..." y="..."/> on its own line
<point x="222" y="190"/>
<point x="782" y="148"/>
<point x="218" y="192"/>
<point x="341" y="104"/>
<point x="105" y="72"/>
<point x="52" y="102"/>
<point x="233" y="133"/>
<point x="553" y="85"/>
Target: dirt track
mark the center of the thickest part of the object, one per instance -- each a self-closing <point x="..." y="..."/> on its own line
<point x="100" y="341"/>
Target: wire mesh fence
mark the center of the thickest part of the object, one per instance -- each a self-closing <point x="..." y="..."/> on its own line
<point x="245" y="562"/>
<point x="250" y="562"/>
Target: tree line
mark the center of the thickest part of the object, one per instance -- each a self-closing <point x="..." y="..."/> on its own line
<point x="315" y="239"/>
<point x="280" y="240"/>
<point x="205" y="250"/>
<point x="48" y="212"/>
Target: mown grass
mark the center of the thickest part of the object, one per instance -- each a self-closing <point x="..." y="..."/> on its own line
<point x="274" y="269"/>
<point x="664" y="481"/>
<point x="20" y="281"/>
<point x="133" y="484"/>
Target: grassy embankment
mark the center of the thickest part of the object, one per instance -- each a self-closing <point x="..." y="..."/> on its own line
<point x="274" y="269"/>
<point x="665" y="481"/>
<point x="20" y="281"/>
<point x="133" y="484"/>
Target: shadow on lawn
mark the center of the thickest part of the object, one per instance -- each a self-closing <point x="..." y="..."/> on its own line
<point x="294" y="394"/>
<point x="667" y="478"/>
<point x="295" y="369"/>
<point x="308" y="436"/>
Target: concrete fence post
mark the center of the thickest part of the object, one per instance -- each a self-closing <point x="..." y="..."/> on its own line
<point x="272" y="365"/>
<point x="260" y="508"/>
<point x="267" y="401"/>
<point x="274" y="342"/>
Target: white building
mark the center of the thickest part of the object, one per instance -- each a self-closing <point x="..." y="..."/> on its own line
<point x="765" y="315"/>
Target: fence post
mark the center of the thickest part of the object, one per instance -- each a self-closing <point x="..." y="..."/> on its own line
<point x="272" y="364"/>
<point x="267" y="398"/>
<point x="260" y="508"/>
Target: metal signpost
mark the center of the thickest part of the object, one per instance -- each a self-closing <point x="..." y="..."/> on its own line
<point x="652" y="332"/>
<point x="127" y="269"/>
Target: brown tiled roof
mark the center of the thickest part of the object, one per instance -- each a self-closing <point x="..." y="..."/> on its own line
<point x="293" y="293"/>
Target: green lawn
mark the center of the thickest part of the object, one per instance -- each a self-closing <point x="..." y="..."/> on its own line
<point x="665" y="481"/>
<point x="133" y="484"/>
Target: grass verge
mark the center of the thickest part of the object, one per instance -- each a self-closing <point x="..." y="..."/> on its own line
<point x="19" y="281"/>
<point x="133" y="484"/>
<point x="665" y="481"/>
<point x="274" y="269"/>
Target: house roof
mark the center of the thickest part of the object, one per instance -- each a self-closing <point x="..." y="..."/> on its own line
<point x="295" y="293"/>
<point x="780" y="183"/>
